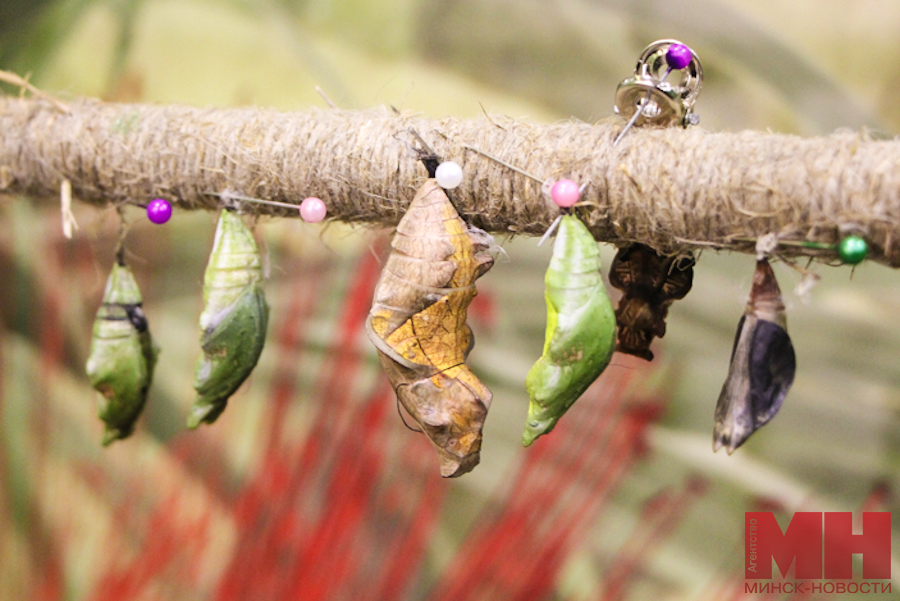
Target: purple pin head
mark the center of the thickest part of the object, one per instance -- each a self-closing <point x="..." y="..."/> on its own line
<point x="678" y="56"/>
<point x="159" y="211"/>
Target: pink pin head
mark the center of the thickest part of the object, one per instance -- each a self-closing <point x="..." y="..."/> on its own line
<point x="312" y="210"/>
<point x="565" y="193"/>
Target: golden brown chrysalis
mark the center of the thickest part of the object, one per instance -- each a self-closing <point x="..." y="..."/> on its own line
<point x="418" y="325"/>
<point x="650" y="282"/>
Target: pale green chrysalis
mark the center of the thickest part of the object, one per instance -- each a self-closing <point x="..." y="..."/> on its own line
<point x="234" y="319"/>
<point x="581" y="329"/>
<point x="122" y="355"/>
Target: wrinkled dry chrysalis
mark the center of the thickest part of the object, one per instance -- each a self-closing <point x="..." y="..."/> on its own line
<point x="650" y="282"/>
<point x="418" y="325"/>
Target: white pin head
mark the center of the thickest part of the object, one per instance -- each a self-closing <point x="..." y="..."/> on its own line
<point x="448" y="175"/>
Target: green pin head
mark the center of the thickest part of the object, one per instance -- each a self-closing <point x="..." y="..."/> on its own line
<point x="853" y="250"/>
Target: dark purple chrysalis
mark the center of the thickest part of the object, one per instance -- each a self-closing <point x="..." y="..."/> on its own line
<point x="762" y="365"/>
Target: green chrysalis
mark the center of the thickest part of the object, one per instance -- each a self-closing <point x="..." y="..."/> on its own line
<point x="581" y="329"/>
<point x="122" y="356"/>
<point x="234" y="320"/>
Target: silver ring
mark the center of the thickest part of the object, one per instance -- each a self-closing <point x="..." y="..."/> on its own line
<point x="667" y="95"/>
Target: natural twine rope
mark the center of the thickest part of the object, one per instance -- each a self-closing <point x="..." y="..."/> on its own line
<point x="673" y="189"/>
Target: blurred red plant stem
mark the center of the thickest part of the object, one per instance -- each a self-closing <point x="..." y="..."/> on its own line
<point x="167" y="541"/>
<point x="263" y="509"/>
<point x="345" y="510"/>
<point x="409" y="544"/>
<point x="302" y="539"/>
<point x="290" y="339"/>
<point x="878" y="498"/>
<point x="305" y="518"/>
<point x="625" y="447"/>
<point x="45" y="546"/>
<point x="38" y="297"/>
<point x="516" y="550"/>
<point x="661" y="516"/>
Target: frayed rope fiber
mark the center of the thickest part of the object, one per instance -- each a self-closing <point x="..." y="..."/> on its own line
<point x="673" y="189"/>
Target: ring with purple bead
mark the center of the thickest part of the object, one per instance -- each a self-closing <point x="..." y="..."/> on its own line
<point x="650" y="98"/>
<point x="159" y="211"/>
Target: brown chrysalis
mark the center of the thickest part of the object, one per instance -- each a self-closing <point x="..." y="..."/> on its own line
<point x="418" y="324"/>
<point x="762" y="365"/>
<point x="650" y="282"/>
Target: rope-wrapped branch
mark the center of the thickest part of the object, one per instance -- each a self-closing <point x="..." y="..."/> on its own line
<point x="673" y="189"/>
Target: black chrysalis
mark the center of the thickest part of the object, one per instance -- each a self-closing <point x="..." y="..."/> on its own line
<point x="762" y="365"/>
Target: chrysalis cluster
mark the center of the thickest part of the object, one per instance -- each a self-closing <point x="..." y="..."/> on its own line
<point x="581" y="329"/>
<point x="418" y="319"/>
<point x="122" y="356"/>
<point x="762" y="365"/>
<point x="234" y="319"/>
<point x="418" y="324"/>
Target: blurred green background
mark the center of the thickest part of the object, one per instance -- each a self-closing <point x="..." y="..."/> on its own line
<point x="805" y="67"/>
